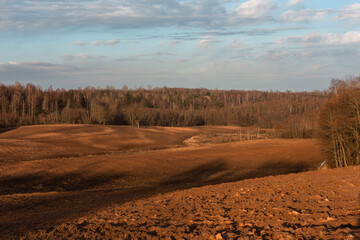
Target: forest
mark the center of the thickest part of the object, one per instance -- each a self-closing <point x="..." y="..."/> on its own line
<point x="339" y="123"/>
<point x="27" y="105"/>
<point x="332" y="115"/>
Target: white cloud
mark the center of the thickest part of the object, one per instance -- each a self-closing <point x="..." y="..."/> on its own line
<point x="350" y="12"/>
<point x="79" y="56"/>
<point x="47" y="14"/>
<point x="19" y="68"/>
<point x="351" y="37"/>
<point x="304" y="15"/>
<point x="111" y="42"/>
<point x="295" y="2"/>
<point x="13" y="63"/>
<point x="255" y="8"/>
<point x="72" y="57"/>
<point x="26" y="64"/>
<point x="206" y="41"/>
<point x="120" y="11"/>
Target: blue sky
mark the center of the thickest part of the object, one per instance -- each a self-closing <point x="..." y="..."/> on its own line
<point x="255" y="44"/>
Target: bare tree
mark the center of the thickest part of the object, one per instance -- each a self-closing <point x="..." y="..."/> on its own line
<point x="339" y="124"/>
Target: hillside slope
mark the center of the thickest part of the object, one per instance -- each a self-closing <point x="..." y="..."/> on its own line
<point x="313" y="205"/>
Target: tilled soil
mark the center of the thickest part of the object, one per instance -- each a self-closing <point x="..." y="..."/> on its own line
<point x="55" y="141"/>
<point x="320" y="204"/>
<point x="69" y="140"/>
<point x="40" y="194"/>
<point x="109" y="189"/>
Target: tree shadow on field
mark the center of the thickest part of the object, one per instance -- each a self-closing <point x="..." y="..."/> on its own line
<point x="219" y="171"/>
<point x="41" y="211"/>
<point x="3" y="130"/>
<point x="42" y="182"/>
<point x="357" y="233"/>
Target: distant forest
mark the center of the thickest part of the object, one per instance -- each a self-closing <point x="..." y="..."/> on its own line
<point x="30" y="104"/>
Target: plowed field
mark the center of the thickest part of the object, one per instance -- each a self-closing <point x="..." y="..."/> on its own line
<point x="105" y="182"/>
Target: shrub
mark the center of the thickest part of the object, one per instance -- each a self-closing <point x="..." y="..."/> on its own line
<point x="339" y="123"/>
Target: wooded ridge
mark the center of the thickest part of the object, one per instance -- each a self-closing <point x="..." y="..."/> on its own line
<point x="30" y="104"/>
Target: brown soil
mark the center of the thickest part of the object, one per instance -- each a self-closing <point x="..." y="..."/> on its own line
<point x="54" y="141"/>
<point x="142" y="194"/>
<point x="312" y="205"/>
<point x="58" y="141"/>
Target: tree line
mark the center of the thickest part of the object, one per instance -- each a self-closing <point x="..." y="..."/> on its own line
<point x="339" y="123"/>
<point x="292" y="114"/>
<point x="30" y="104"/>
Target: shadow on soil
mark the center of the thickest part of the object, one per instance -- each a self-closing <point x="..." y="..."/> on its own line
<point x="358" y="225"/>
<point x="76" y="197"/>
<point x="219" y="171"/>
<point x="3" y="130"/>
<point x="42" y="182"/>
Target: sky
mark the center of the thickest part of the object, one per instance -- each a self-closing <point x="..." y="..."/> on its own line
<point x="297" y="45"/>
